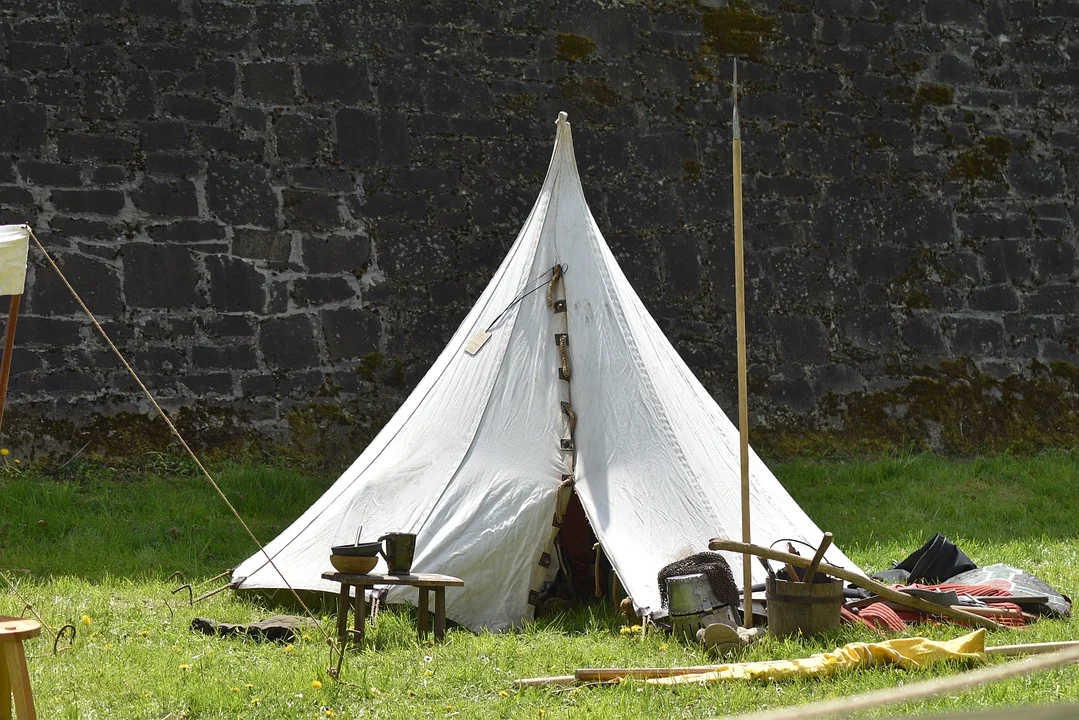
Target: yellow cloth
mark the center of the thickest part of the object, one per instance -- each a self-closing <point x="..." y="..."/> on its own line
<point x="905" y="652"/>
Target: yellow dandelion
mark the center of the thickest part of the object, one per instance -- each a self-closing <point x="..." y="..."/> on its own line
<point x="147" y="694"/>
<point x="18" y="461"/>
<point x="249" y="686"/>
<point x="306" y="636"/>
<point x="255" y="701"/>
<point x="449" y="708"/>
<point x="411" y="694"/>
<point x="144" y="633"/>
<point x="330" y="713"/>
<point x="503" y="693"/>
<point x="288" y="648"/>
<point x="663" y="646"/>
<point x="86" y="620"/>
<point x="542" y="712"/>
<point x="108" y="646"/>
<point x="235" y="689"/>
<point x="185" y="667"/>
<point x="427" y="673"/>
<point x="316" y="684"/>
<point x="5" y="452"/>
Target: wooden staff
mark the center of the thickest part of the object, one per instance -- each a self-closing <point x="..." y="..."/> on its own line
<point x="740" y="318"/>
<point x="860" y="580"/>
<point x="9" y="344"/>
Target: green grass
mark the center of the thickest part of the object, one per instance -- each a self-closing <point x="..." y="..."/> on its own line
<point x="101" y="543"/>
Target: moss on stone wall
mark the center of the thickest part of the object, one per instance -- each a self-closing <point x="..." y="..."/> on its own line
<point x="735" y="31"/>
<point x="574" y="47"/>
<point x="984" y="162"/>
<point x="588" y="91"/>
<point x="952" y="408"/>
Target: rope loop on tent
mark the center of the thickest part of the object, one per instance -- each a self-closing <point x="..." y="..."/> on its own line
<point x="556" y="275"/>
<point x="568" y="410"/>
<point x="559" y="505"/>
<point x="563" y="353"/>
<point x="183" y="443"/>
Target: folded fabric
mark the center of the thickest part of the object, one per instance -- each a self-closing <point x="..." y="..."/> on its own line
<point x="907" y="653"/>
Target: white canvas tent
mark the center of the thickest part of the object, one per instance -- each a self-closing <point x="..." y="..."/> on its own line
<point x="473" y="460"/>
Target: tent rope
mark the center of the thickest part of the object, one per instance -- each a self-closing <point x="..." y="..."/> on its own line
<point x="568" y="410"/>
<point x="560" y="505"/>
<point x="183" y="443"/>
<point x="556" y="274"/>
<point x="564" y="355"/>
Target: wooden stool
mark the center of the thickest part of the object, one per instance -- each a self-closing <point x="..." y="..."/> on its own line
<point x="14" y="677"/>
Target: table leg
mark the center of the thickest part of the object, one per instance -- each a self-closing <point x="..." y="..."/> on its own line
<point x="423" y="614"/>
<point x="440" y="613"/>
<point x="5" y="690"/>
<point x="15" y="659"/>
<point x="342" y="616"/>
<point x="361" y="614"/>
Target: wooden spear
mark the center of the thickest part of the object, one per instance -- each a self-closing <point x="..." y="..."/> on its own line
<point x="740" y="319"/>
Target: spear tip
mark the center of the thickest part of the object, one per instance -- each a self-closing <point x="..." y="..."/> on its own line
<point x="734" y="101"/>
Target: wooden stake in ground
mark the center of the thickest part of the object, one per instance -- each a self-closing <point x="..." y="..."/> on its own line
<point x="9" y="344"/>
<point x="740" y="315"/>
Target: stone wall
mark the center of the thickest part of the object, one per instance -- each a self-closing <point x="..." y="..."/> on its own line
<point x="281" y="211"/>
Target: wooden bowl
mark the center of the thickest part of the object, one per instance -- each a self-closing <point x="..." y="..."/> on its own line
<point x="354" y="564"/>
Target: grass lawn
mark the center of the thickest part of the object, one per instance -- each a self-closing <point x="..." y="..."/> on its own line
<point x="95" y="546"/>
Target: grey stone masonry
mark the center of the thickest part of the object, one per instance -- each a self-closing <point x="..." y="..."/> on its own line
<point x="275" y="206"/>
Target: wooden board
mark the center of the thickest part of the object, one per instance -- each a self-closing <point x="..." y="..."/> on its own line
<point x="418" y="580"/>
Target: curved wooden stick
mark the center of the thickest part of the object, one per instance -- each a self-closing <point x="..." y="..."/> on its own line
<point x="824" y="544"/>
<point x="860" y="580"/>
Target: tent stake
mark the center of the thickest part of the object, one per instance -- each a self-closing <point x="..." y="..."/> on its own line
<point x="9" y="344"/>
<point x="740" y="313"/>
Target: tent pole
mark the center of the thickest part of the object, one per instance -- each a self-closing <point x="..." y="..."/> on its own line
<point x="740" y="313"/>
<point x="9" y="344"/>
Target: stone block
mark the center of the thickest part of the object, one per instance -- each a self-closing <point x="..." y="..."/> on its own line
<point x="311" y="211"/>
<point x="187" y="231"/>
<point x="89" y="202"/>
<point x="287" y="29"/>
<point x="335" y="82"/>
<point x="367" y="138"/>
<point x="49" y="174"/>
<point x="22" y="127"/>
<point x="269" y="82"/>
<point x="337" y="253"/>
<point x="1005" y="260"/>
<point x="1053" y="300"/>
<point x="288" y="342"/>
<point x="241" y="194"/>
<point x="299" y="137"/>
<point x="317" y="291"/>
<point x="166" y="199"/>
<point x="125" y="95"/>
<point x="235" y="284"/>
<point x="97" y="282"/>
<point x="977" y="337"/>
<point x="995" y="298"/>
<point x="882" y="262"/>
<point x="270" y="245"/>
<point x="872" y="330"/>
<point x="1054" y="258"/>
<point x="1035" y="176"/>
<point x="173" y="164"/>
<point x="159" y="276"/>
<point x="801" y="339"/>
<point x="193" y="109"/>
<point x="683" y="265"/>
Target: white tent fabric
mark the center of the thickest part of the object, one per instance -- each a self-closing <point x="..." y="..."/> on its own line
<point x="14" y="245"/>
<point x="472" y="461"/>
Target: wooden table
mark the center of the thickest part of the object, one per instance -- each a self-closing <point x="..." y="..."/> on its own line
<point x="14" y="678"/>
<point x="423" y="582"/>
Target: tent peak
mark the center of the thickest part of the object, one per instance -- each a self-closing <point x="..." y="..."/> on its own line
<point x="562" y="118"/>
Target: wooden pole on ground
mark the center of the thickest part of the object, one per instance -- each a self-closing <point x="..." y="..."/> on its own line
<point x="9" y="344"/>
<point x="860" y="580"/>
<point x="740" y="318"/>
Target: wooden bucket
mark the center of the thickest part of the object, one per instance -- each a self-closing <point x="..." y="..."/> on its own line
<point x="806" y="608"/>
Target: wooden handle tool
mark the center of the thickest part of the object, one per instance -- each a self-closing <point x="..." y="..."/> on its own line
<point x="815" y="562"/>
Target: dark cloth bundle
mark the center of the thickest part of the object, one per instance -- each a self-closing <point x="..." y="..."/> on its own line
<point x="714" y="568"/>
<point x="279" y="628"/>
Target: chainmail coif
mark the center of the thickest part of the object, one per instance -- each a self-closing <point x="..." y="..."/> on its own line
<point x="714" y="568"/>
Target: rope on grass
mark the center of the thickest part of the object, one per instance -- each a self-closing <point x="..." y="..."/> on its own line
<point x="917" y="691"/>
<point x="180" y="438"/>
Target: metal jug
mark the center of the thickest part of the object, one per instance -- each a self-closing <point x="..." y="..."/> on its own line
<point x="398" y="552"/>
